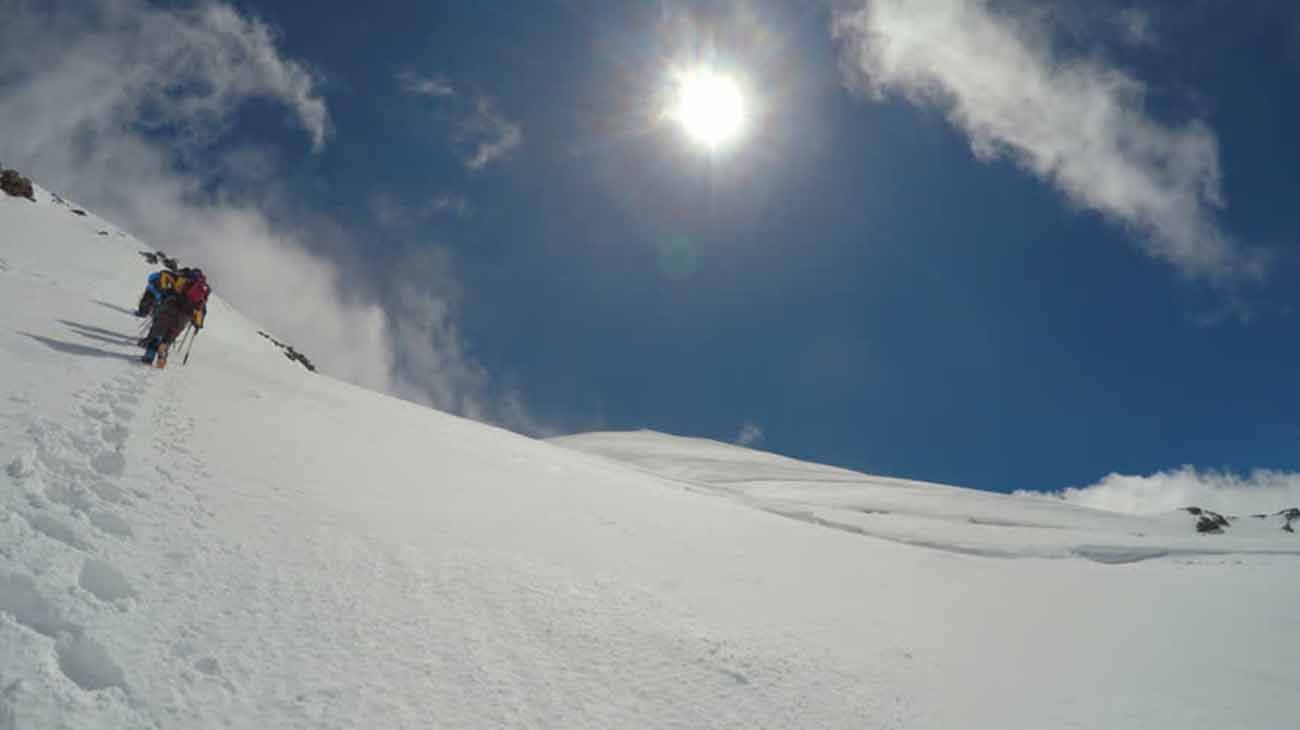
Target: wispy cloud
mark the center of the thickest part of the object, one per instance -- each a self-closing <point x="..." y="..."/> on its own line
<point x="1261" y="492"/>
<point x="456" y="205"/>
<point x="99" y="101"/>
<point x="413" y="83"/>
<point x="1135" y="23"/>
<point x="389" y="211"/>
<point x="489" y="134"/>
<point x="1074" y="121"/>
<point x="484" y="134"/>
<point x="751" y="434"/>
<point x="127" y="60"/>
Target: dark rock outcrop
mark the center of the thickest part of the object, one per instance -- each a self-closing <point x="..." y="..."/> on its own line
<point x="16" y="184"/>
<point x="290" y="352"/>
<point x="158" y="257"/>
<point x="1213" y="523"/>
<point x="1207" y="521"/>
<point x="1291" y="516"/>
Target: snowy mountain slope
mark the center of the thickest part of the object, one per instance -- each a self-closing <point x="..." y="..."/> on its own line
<point x="241" y="543"/>
<point x="930" y="515"/>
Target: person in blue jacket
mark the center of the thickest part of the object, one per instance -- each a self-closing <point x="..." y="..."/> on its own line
<point x="160" y="282"/>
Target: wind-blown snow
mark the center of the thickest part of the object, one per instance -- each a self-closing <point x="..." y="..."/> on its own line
<point x="241" y="543"/>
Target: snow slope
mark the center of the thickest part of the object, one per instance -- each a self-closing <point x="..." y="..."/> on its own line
<point x="239" y="543"/>
<point x="931" y="515"/>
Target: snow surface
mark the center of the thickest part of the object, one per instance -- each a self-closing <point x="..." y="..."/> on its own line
<point x="239" y="543"/>
<point x="930" y="515"/>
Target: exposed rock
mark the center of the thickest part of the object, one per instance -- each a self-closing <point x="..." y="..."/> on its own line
<point x="1290" y="515"/>
<point x="1207" y="521"/>
<point x="290" y="352"/>
<point x="17" y="185"/>
<point x="158" y="257"/>
<point x="1214" y="523"/>
<point x="78" y="211"/>
<point x="1206" y="524"/>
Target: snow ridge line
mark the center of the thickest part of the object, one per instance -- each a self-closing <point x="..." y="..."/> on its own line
<point x="1106" y="554"/>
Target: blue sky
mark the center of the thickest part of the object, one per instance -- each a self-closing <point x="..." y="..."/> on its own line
<point x="1003" y="245"/>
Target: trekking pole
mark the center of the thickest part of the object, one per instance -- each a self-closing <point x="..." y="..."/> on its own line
<point x="180" y="342"/>
<point x="193" y="336"/>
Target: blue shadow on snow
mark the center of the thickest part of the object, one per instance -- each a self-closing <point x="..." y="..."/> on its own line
<point x="114" y="307"/>
<point x="72" y="348"/>
<point x="103" y="335"/>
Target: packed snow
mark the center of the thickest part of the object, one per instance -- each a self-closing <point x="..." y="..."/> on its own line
<point x="241" y="543"/>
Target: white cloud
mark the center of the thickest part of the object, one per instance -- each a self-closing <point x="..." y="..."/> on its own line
<point x="454" y="204"/>
<point x="486" y="134"/>
<point x="1136" y="26"/>
<point x="83" y="94"/>
<point x="1261" y="492"/>
<point x="391" y="212"/>
<point x="751" y="434"/>
<point x="125" y="59"/>
<point x="1076" y="122"/>
<point x="489" y="134"/>
<point x="413" y="83"/>
<point x="388" y="211"/>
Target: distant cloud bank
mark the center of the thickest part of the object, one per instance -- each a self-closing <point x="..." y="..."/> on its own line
<point x="1261" y="492"/>
<point x="1072" y="120"/>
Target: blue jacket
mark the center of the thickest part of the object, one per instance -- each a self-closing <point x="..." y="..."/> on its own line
<point x="153" y="285"/>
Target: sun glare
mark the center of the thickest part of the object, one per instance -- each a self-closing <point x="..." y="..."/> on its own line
<point x="709" y="107"/>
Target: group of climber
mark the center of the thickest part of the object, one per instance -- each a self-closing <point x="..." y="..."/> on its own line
<point x="175" y="300"/>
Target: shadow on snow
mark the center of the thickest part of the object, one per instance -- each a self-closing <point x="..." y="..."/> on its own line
<point x="103" y="335"/>
<point x="114" y="307"/>
<point x="72" y="348"/>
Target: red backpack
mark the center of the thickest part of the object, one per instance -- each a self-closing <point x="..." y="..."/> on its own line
<point x="196" y="292"/>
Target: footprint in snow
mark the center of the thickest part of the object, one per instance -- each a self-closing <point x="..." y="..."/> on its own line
<point x="22" y="466"/>
<point x="110" y="493"/>
<point x="208" y="666"/>
<point x="57" y="530"/>
<point x="95" y="413"/>
<point x="109" y="463"/>
<point x="85" y="662"/>
<point x="114" y="434"/>
<point x="111" y="524"/>
<point x="22" y="598"/>
<point x="104" y="582"/>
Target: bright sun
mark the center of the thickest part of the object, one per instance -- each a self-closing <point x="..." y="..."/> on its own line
<point x="709" y="107"/>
